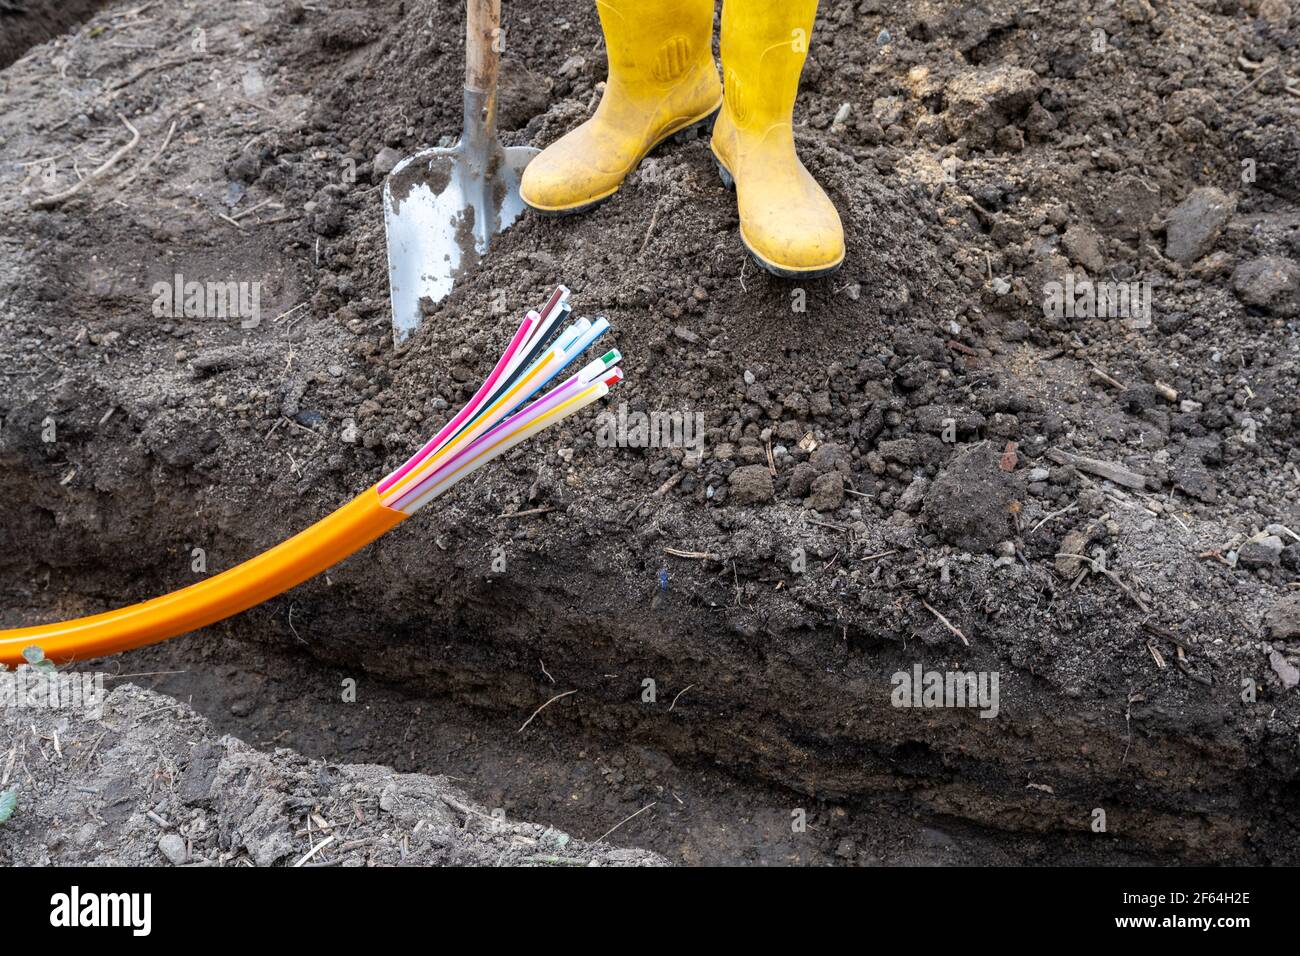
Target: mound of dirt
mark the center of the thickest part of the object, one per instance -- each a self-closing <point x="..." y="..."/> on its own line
<point x="141" y="780"/>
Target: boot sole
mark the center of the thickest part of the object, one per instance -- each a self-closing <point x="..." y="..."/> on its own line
<point x="705" y="121"/>
<point x="817" y="272"/>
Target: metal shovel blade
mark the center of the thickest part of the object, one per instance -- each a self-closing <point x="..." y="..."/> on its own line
<point x="441" y="208"/>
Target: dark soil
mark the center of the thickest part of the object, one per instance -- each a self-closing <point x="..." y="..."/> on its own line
<point x="25" y="23"/>
<point x="933" y="430"/>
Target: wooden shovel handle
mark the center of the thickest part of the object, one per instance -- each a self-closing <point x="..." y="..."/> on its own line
<point x="482" y="44"/>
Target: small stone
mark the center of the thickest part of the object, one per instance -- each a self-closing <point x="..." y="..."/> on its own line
<point x="913" y="496"/>
<point x="1194" y="225"/>
<point x="220" y="359"/>
<point x="904" y="451"/>
<point x="173" y="848"/>
<point x="1283" y="619"/>
<point x="385" y="160"/>
<point x="1260" y="552"/>
<point x="1269" y="282"/>
<point x="802" y="479"/>
<point x="1287" y="672"/>
<point x="827" y="492"/>
<point x="751" y="485"/>
<point x="1083" y="246"/>
<point x="572" y="66"/>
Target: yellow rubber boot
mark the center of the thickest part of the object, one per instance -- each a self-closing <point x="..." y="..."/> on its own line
<point x="787" y="221"/>
<point x="662" y="79"/>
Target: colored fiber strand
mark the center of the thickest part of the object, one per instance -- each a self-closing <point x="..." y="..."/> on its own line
<point x="494" y="411"/>
<point x="504" y="443"/>
<point x="417" y="494"/>
<point x="413" y="485"/>
<point x="518" y="339"/>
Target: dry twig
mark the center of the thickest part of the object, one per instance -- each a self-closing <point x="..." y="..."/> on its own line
<point x="543" y="707"/>
<point x="944" y="621"/>
<point x="57" y="199"/>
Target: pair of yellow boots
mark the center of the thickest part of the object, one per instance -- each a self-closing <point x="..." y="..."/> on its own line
<point x="662" y="79"/>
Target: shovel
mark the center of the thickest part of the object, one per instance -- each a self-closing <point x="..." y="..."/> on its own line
<point x="442" y="206"/>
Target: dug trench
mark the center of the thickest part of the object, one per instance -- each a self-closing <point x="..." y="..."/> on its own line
<point x="789" y="709"/>
<point x="791" y="714"/>
<point x="900" y="464"/>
